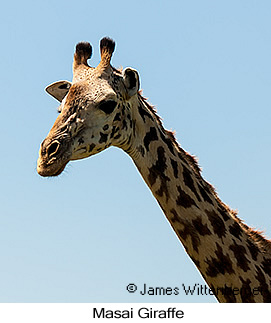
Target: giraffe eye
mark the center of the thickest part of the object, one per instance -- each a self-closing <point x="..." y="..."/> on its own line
<point x="107" y="106"/>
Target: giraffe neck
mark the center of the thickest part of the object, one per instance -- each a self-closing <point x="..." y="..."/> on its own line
<point x="233" y="259"/>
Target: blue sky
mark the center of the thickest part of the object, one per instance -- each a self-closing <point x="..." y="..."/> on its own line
<point x="84" y="236"/>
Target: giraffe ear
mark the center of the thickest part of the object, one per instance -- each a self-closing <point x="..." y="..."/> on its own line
<point x="131" y="81"/>
<point x="59" y="89"/>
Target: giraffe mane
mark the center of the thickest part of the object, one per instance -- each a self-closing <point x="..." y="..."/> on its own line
<point x="256" y="236"/>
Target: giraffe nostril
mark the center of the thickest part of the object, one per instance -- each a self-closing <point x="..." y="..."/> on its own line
<point x="53" y="148"/>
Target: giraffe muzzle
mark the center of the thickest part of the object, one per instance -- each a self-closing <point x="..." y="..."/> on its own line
<point x="53" y="157"/>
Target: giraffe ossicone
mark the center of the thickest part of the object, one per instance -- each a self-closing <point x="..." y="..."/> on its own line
<point x="103" y="107"/>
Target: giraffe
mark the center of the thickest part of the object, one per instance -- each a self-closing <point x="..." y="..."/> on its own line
<point x="103" y="106"/>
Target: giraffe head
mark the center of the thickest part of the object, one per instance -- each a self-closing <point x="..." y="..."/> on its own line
<point x="94" y="110"/>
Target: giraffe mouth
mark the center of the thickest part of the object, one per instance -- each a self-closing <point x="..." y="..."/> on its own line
<point x="47" y="170"/>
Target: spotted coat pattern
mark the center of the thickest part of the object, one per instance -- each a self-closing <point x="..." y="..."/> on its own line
<point x="104" y="107"/>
